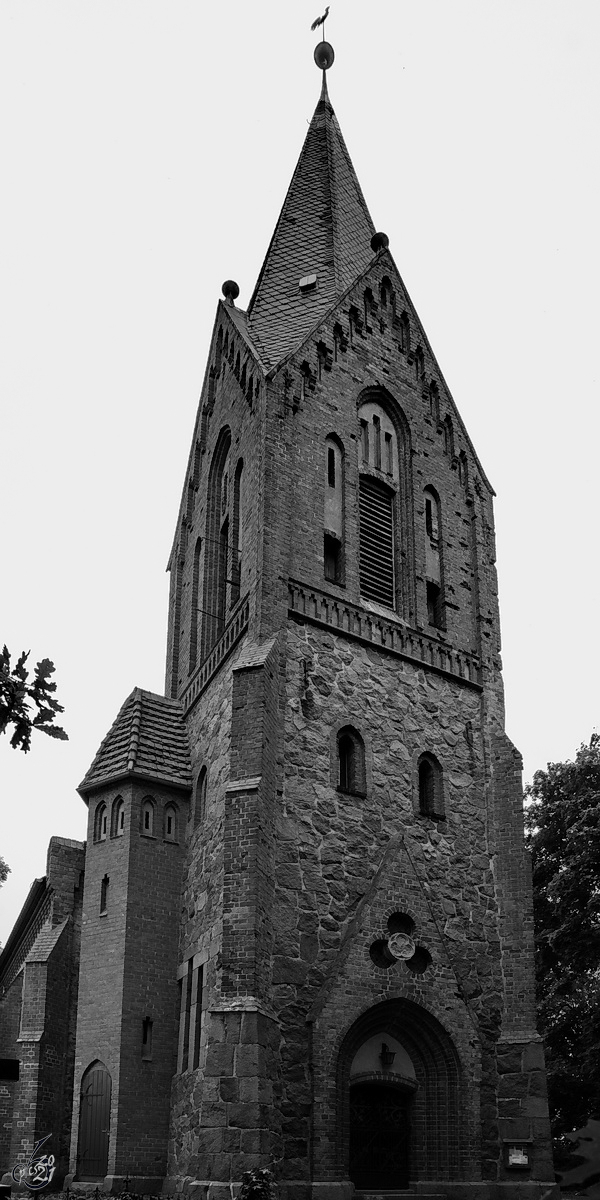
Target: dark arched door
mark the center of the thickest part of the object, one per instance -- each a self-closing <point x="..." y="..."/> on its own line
<point x="94" y="1123"/>
<point x="379" y="1136"/>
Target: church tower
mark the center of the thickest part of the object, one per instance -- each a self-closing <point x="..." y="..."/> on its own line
<point x="352" y="1001"/>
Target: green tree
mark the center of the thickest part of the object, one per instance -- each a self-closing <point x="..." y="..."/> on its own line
<point x="18" y="694"/>
<point x="4" y="870"/>
<point x="562" y="819"/>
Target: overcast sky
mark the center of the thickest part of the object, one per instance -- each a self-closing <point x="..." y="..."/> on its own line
<point x="145" y="149"/>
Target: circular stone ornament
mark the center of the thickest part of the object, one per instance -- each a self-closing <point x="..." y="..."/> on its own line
<point x="401" y="946"/>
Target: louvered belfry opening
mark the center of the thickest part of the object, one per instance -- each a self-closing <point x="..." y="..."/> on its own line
<point x="376" y="542"/>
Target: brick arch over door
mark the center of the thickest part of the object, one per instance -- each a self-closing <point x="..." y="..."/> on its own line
<point x="438" y="1138"/>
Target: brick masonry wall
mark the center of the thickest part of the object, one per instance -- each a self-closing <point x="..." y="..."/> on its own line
<point x="129" y="961"/>
<point x="38" y="1012"/>
<point x="10" y="1019"/>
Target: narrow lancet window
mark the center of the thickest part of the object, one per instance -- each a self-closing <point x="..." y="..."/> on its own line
<point x="434" y="573"/>
<point x="333" y="516"/>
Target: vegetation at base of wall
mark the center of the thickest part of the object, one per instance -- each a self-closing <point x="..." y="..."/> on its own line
<point x="17" y="696"/>
<point x="257" y="1185"/>
<point x="562" y="819"/>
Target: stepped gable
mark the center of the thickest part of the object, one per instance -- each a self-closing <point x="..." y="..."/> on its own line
<point x="147" y="740"/>
<point x="324" y="229"/>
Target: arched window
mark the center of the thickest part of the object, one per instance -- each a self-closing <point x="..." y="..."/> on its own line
<point x="369" y="309"/>
<point x="235" y="571"/>
<point x="333" y="517"/>
<point x="434" y="575"/>
<point x="195" y="613"/>
<point x="377" y="510"/>
<point x="100" y="823"/>
<point x="117" y="824"/>
<point x="217" y="546"/>
<point x="463" y="470"/>
<point x="386" y="293"/>
<point x="200" y="796"/>
<point x="170" y="823"/>
<point x="148" y="817"/>
<point x="434" y="403"/>
<point x="448" y="437"/>
<point x="351" y="762"/>
<point x="431" y="788"/>
<point x="404" y="333"/>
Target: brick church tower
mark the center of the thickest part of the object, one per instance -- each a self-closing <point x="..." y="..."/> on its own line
<point x="307" y="938"/>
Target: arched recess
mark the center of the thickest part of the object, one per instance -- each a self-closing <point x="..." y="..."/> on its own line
<point x="94" y="1123"/>
<point x="217" y="545"/>
<point x="386" y="503"/>
<point x="333" y="511"/>
<point x="435" y="1110"/>
<point x="351" y="766"/>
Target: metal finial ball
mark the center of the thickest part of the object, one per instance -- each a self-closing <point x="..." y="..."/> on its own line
<point x="230" y="290"/>
<point x="324" y="55"/>
<point x="379" y="241"/>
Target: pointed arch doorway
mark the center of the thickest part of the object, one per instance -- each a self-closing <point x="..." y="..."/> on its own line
<point x="94" y="1123"/>
<point x="401" y="1099"/>
<point x="380" y="1114"/>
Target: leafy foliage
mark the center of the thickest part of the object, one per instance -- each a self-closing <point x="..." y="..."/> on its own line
<point x="257" y="1185"/>
<point x="17" y="694"/>
<point x="563" y="832"/>
<point x="585" y="1176"/>
<point x="4" y="870"/>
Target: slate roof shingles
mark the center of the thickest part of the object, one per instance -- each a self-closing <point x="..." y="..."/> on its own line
<point x="147" y="739"/>
<point x="324" y="228"/>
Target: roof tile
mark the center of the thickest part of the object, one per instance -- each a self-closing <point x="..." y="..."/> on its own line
<point x="324" y="229"/>
<point x="148" y="739"/>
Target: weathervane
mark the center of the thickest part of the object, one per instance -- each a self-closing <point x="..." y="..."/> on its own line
<point x="324" y="55"/>
<point x="320" y="21"/>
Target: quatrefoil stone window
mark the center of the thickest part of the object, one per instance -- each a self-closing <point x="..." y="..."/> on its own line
<point x="400" y="946"/>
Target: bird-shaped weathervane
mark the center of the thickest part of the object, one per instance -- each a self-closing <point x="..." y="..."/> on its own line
<point x="321" y="21"/>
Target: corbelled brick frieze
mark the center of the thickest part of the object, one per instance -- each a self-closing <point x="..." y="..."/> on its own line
<point x="349" y="620"/>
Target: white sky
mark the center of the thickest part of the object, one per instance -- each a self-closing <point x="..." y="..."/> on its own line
<point x="145" y="149"/>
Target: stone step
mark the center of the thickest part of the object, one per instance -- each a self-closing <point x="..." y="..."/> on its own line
<point x="398" y="1194"/>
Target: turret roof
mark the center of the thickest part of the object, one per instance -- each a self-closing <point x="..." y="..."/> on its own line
<point x="324" y="229"/>
<point x="147" y="740"/>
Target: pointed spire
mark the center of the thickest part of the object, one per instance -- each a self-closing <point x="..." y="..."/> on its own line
<point x="321" y="243"/>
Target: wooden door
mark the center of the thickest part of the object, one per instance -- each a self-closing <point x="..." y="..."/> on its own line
<point x="94" y="1123"/>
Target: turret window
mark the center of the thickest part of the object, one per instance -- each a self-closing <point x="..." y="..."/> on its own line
<point x="170" y="823"/>
<point x="100" y="823"/>
<point x="118" y="818"/>
<point x="104" y="896"/>
<point x="148" y="817"/>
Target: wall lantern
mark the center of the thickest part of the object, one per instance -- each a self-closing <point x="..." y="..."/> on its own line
<point x="387" y="1056"/>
